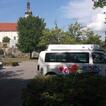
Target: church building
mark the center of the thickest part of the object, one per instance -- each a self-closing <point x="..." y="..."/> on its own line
<point x="10" y="29"/>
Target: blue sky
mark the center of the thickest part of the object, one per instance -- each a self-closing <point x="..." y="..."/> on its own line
<point x="64" y="12"/>
<point x="50" y="10"/>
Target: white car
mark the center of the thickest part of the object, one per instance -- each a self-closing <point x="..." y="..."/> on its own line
<point x="65" y="59"/>
<point x="35" y="55"/>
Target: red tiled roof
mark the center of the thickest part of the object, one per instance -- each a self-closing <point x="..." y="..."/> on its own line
<point x="8" y="26"/>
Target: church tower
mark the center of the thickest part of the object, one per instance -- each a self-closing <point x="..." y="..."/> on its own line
<point x="28" y="10"/>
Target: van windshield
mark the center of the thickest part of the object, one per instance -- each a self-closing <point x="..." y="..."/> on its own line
<point x="99" y="57"/>
<point x="67" y="57"/>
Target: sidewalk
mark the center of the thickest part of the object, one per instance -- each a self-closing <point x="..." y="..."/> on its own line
<point x="13" y="80"/>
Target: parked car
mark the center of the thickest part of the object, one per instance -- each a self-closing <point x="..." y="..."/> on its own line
<point x="35" y="55"/>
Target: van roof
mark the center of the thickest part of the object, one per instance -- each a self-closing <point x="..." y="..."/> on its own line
<point x="70" y="47"/>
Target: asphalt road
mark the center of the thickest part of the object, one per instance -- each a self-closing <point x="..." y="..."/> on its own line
<point x="13" y="80"/>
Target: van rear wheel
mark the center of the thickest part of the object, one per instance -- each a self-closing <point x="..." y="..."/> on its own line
<point x="41" y="71"/>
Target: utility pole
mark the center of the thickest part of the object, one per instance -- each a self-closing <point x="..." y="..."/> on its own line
<point x="105" y="28"/>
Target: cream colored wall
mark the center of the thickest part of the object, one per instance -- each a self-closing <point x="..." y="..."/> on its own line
<point x="11" y="35"/>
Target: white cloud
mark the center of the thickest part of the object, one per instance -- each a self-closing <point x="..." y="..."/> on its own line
<point x="83" y="11"/>
<point x="97" y="23"/>
<point x="80" y="10"/>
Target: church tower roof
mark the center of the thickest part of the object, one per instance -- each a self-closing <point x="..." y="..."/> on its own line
<point x="28" y="10"/>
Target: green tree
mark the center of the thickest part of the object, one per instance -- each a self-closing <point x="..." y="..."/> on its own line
<point x="81" y="36"/>
<point x="55" y="36"/>
<point x="6" y="39"/>
<point x="99" y="3"/>
<point x="29" y="31"/>
<point x="89" y="37"/>
<point x="52" y="36"/>
<point x="74" y="31"/>
<point x="74" y="35"/>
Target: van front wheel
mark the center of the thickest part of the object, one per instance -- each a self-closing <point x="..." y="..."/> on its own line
<point x="41" y="71"/>
<point x="51" y="74"/>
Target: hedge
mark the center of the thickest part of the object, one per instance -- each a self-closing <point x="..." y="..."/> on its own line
<point x="10" y="63"/>
<point x="70" y="90"/>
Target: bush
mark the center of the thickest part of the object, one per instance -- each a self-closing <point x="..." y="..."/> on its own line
<point x="15" y="63"/>
<point x="10" y="63"/>
<point x="71" y="90"/>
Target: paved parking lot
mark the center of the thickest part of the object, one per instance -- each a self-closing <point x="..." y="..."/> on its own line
<point x="12" y="82"/>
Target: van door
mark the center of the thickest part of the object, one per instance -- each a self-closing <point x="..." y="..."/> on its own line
<point x="66" y="60"/>
<point x="99" y="59"/>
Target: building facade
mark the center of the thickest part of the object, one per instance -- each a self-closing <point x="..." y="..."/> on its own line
<point x="10" y="29"/>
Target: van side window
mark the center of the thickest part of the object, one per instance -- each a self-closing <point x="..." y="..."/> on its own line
<point x="67" y="57"/>
<point x="55" y="57"/>
<point x="79" y="57"/>
<point x="50" y="57"/>
<point x="98" y="57"/>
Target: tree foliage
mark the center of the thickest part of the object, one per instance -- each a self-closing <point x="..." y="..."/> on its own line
<point x="6" y="39"/>
<point x="74" y="35"/>
<point x="55" y="36"/>
<point x="34" y="36"/>
<point x="99" y="3"/>
<point x="83" y="36"/>
<point x="89" y="37"/>
<point x="29" y="31"/>
<point x="75" y="31"/>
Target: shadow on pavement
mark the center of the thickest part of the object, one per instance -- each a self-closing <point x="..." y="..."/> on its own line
<point x="8" y="74"/>
<point x="11" y="89"/>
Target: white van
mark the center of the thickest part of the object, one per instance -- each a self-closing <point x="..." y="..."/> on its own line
<point x="65" y="59"/>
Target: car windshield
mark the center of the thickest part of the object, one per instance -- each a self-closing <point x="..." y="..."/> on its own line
<point x="67" y="57"/>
